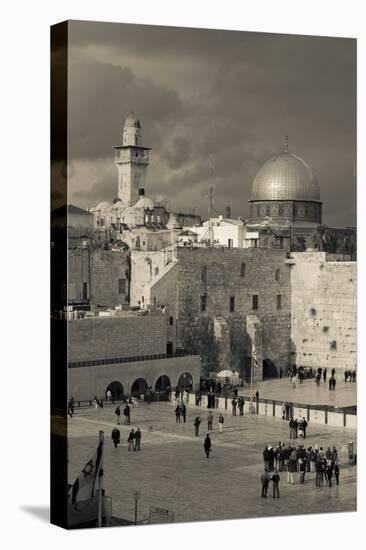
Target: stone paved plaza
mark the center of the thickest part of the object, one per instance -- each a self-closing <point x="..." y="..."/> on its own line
<point x="345" y="394"/>
<point x="172" y="471"/>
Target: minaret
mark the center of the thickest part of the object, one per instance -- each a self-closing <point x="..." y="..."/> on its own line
<point x="132" y="161"/>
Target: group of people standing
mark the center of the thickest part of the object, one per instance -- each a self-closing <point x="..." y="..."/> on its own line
<point x="297" y="428"/>
<point x="350" y="376"/>
<point x="299" y="460"/>
<point x="133" y="440"/>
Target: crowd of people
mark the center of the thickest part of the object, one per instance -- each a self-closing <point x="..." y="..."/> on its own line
<point x="299" y="461"/>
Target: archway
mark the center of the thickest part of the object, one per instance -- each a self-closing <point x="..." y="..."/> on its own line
<point x="116" y="390"/>
<point x="162" y="383"/>
<point x="139" y="387"/>
<point x="185" y="382"/>
<point x="269" y="369"/>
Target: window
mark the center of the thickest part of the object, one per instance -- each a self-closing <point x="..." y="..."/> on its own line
<point x="230" y="243"/>
<point x="203" y="302"/>
<point x="171" y="321"/>
<point x="204" y="274"/>
<point x="280" y="210"/>
<point x="85" y="291"/>
<point x="242" y="270"/>
<point x="255" y="301"/>
<point x="232" y="304"/>
<point x="121" y="286"/>
<point x="156" y="271"/>
<point x="277" y="275"/>
<point x="102" y="222"/>
<point x="279" y="301"/>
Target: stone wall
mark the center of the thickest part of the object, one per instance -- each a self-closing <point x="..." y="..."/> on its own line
<point x="217" y="275"/>
<point x="100" y="270"/>
<point x="323" y="316"/>
<point x="129" y="335"/>
<point x="107" y="268"/>
<point x="86" y="382"/>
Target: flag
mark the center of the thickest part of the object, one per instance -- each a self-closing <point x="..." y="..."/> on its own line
<point x="254" y="354"/>
<point x="85" y="484"/>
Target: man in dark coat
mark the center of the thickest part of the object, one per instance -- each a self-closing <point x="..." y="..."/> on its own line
<point x="117" y="412"/>
<point x="241" y="405"/>
<point x="137" y="440"/>
<point x="115" y="437"/>
<point x="276" y="481"/>
<point x="233" y="404"/>
<point x="183" y="409"/>
<point x="177" y="413"/>
<point x="196" y="423"/>
<point x="127" y="414"/>
<point x="325" y="375"/>
<point x="131" y="440"/>
<point x="207" y="445"/>
<point x="265" y="482"/>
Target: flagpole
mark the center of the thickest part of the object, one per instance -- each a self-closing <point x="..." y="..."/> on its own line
<point x="100" y="481"/>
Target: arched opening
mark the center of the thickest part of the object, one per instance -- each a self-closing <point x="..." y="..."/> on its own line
<point x="162" y="383"/>
<point x="242" y="270"/>
<point x="269" y="369"/>
<point x="185" y="382"/>
<point x="277" y="275"/>
<point x="139" y="387"/>
<point x="156" y="271"/>
<point x="204" y="274"/>
<point x="116" y="390"/>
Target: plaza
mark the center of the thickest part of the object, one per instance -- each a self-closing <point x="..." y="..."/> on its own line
<point x="172" y="472"/>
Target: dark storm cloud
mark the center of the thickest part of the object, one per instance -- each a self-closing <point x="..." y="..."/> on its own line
<point x="211" y="98"/>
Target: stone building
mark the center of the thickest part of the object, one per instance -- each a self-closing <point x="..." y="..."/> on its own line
<point x="201" y="287"/>
<point x="125" y="353"/>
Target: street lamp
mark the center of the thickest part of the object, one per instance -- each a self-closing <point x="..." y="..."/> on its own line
<point x="136" y="497"/>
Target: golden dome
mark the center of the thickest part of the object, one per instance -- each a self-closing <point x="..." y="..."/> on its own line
<point x="285" y="177"/>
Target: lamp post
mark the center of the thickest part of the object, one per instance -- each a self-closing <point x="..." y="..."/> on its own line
<point x="136" y="497"/>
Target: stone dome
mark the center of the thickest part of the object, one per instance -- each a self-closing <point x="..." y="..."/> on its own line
<point x="144" y="202"/>
<point x="285" y="177"/>
<point x="103" y="206"/>
<point x="132" y="121"/>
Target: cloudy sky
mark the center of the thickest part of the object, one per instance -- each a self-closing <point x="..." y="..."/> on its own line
<point x="211" y="98"/>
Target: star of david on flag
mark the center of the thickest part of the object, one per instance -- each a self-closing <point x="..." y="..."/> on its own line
<point x="85" y="484"/>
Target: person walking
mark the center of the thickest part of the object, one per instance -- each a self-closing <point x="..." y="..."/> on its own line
<point x="116" y="437"/>
<point x="291" y="425"/>
<point x="137" y="446"/>
<point x="296" y="427"/>
<point x="109" y="396"/>
<point x="96" y="403"/>
<point x="281" y="372"/>
<point x="233" y="405"/>
<point x="117" y="412"/>
<point x="265" y="482"/>
<point x="336" y="472"/>
<point x="127" y="414"/>
<point x="131" y="440"/>
<point x="302" y="470"/>
<point x="177" y="413"/>
<point x="207" y="445"/>
<point x="302" y="427"/>
<point x="275" y="484"/>
<point x="184" y="412"/>
<point x="71" y="407"/>
<point x="241" y="405"/>
<point x="325" y="375"/>
<point x="209" y="421"/>
<point x="196" y="423"/>
<point x="221" y="423"/>
<point x="257" y="395"/>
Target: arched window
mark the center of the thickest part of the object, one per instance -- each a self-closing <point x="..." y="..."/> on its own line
<point x="242" y="270"/>
<point x="204" y="274"/>
<point x="277" y="275"/>
<point x="156" y="271"/>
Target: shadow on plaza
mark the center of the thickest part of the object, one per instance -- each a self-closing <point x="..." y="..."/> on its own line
<point x="40" y="512"/>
